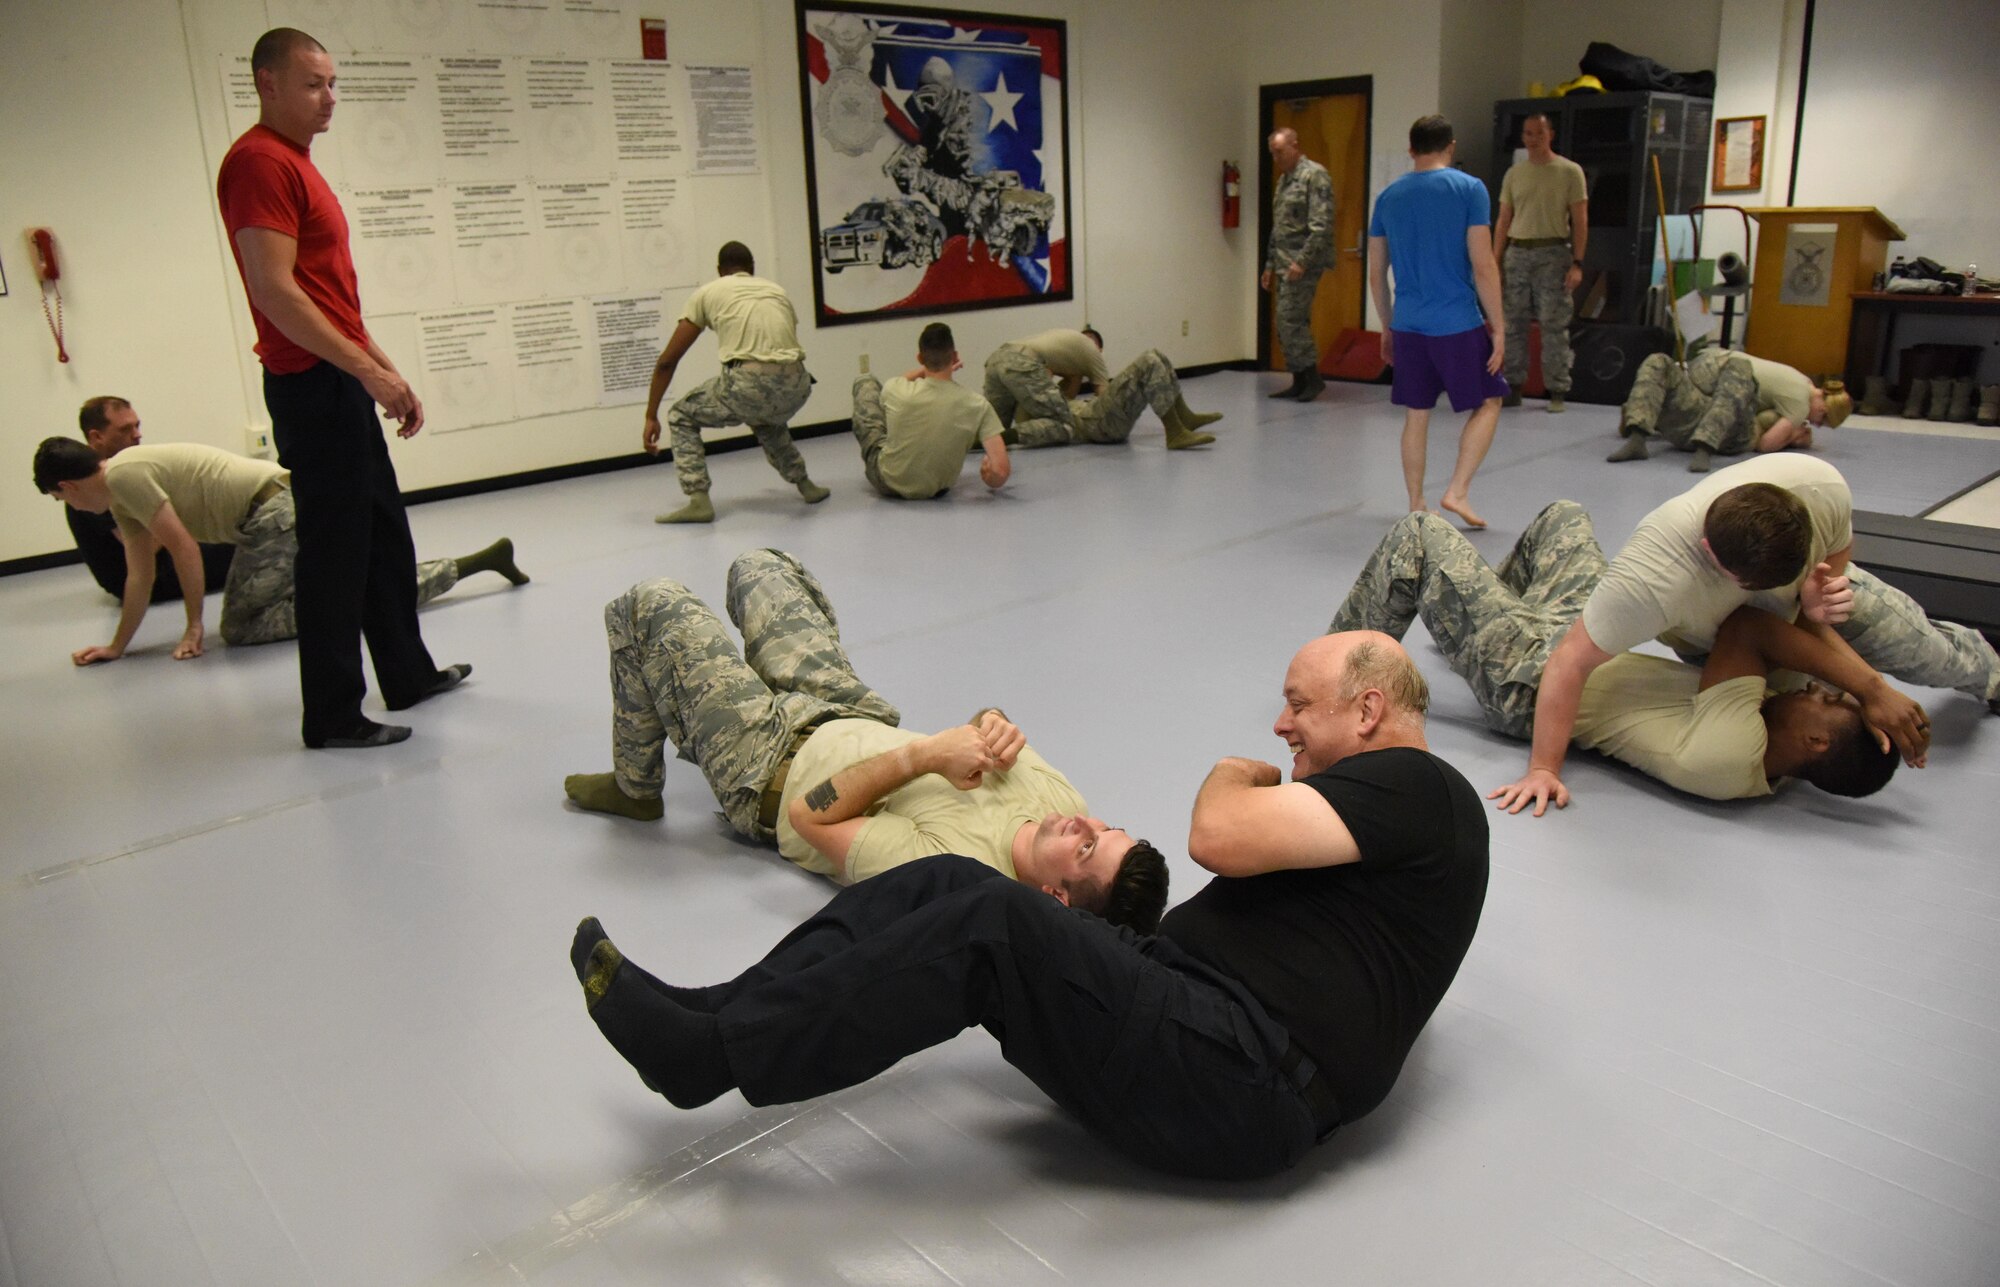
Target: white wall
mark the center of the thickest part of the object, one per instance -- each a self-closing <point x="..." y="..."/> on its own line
<point x="1679" y="33"/>
<point x="1902" y="113"/>
<point x="1478" y="63"/>
<point x="104" y="143"/>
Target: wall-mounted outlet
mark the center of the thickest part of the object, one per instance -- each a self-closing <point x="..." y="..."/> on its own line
<point x="864" y="364"/>
<point x="1184" y="324"/>
<point x="258" y="440"/>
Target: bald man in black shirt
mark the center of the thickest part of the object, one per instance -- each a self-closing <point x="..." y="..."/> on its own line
<point x="1275" y="1005"/>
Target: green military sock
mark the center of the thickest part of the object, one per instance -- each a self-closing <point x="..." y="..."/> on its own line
<point x="697" y="510"/>
<point x="676" y="1051"/>
<point x="497" y="557"/>
<point x="812" y="491"/>
<point x="1192" y="419"/>
<point x="1634" y="448"/>
<point x="1699" y="465"/>
<point x="1180" y="432"/>
<point x="600" y="793"/>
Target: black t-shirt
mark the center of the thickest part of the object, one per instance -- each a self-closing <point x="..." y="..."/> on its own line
<point x="104" y="554"/>
<point x="1352" y="959"/>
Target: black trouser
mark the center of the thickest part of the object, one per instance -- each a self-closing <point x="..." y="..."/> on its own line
<point x="1168" y="1061"/>
<point x="357" y="566"/>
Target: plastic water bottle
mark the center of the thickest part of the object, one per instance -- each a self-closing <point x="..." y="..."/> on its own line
<point x="1971" y="286"/>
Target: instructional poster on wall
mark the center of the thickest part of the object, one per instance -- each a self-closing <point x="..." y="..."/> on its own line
<point x="525" y="204"/>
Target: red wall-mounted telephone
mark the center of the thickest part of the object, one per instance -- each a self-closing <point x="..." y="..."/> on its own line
<point x="49" y="268"/>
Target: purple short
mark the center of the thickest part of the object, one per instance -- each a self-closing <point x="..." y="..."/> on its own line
<point x="1427" y="365"/>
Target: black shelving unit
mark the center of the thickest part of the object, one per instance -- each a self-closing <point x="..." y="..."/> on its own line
<point x="1614" y="137"/>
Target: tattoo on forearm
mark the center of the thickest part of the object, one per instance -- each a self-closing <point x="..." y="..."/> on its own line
<point x="821" y="797"/>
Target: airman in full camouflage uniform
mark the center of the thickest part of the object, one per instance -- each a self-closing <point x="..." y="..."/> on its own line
<point x="257" y="600"/>
<point x="677" y="677"/>
<point x="1496" y="628"/>
<point x="1301" y="249"/>
<point x="1711" y="403"/>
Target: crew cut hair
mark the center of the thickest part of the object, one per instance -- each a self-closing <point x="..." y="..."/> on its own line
<point x="734" y="257"/>
<point x="275" y="47"/>
<point x="1760" y="533"/>
<point x="935" y="347"/>
<point x="1855" y="764"/>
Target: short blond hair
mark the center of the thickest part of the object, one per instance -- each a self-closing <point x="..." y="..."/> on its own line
<point x="1392" y="673"/>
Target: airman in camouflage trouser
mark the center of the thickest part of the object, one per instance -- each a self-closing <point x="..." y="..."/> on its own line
<point x="257" y="600"/>
<point x="1028" y="398"/>
<point x="677" y="676"/>
<point x="763" y="395"/>
<point x="1147" y="381"/>
<point x="1496" y="628"/>
<point x="1712" y="403"/>
<point x="1534" y="289"/>
<point x="1891" y="632"/>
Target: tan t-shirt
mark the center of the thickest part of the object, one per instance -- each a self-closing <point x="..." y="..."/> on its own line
<point x="752" y="319"/>
<point x="1069" y="353"/>
<point x="211" y="489"/>
<point x="1780" y="388"/>
<point x="1541" y="196"/>
<point x="1650" y="713"/>
<point x="1664" y="586"/>
<point x="932" y="424"/>
<point x="927" y="816"/>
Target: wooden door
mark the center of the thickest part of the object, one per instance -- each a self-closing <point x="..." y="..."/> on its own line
<point x="1333" y="127"/>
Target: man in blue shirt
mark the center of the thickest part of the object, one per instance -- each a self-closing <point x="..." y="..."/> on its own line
<point x="1444" y="330"/>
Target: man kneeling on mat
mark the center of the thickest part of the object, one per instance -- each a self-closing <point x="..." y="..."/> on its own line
<point x="799" y="750"/>
<point x="1275" y="1005"/>
<point x="1713" y="730"/>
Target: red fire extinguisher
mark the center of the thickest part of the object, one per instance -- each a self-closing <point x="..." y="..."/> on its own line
<point x="1232" y="195"/>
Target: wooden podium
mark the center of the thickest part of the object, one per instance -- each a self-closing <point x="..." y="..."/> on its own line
<point x="1810" y="259"/>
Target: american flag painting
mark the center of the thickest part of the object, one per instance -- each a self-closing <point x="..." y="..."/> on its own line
<point x="936" y="160"/>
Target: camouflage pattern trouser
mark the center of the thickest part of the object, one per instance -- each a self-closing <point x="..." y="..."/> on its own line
<point x="1712" y="404"/>
<point x="1890" y="632"/>
<point x="1532" y="290"/>
<point x="1295" y="320"/>
<point x="1148" y="382"/>
<point x="871" y="430"/>
<point x="1495" y="628"/>
<point x="676" y="676"/>
<point x="766" y="400"/>
<point x="1027" y="397"/>
<point x="257" y="600"/>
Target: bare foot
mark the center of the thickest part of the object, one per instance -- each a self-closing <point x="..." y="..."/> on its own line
<point x="1417" y="506"/>
<point x="1463" y="510"/>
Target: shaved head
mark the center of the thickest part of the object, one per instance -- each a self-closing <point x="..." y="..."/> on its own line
<point x="275" y="47"/>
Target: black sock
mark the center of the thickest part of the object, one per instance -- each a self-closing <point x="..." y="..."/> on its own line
<point x="676" y="1051"/>
<point x="587" y="936"/>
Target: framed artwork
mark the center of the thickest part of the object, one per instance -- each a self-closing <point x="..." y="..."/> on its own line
<point x="1739" y="154"/>
<point x="937" y="159"/>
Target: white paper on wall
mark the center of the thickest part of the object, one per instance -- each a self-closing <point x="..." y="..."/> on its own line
<point x="627" y="336"/>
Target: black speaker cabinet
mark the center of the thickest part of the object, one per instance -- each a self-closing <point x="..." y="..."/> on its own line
<point x="1607" y="358"/>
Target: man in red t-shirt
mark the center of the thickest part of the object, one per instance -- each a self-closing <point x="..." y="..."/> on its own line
<point x="323" y="376"/>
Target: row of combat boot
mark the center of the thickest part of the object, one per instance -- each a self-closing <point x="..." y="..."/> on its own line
<point x="1955" y="400"/>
